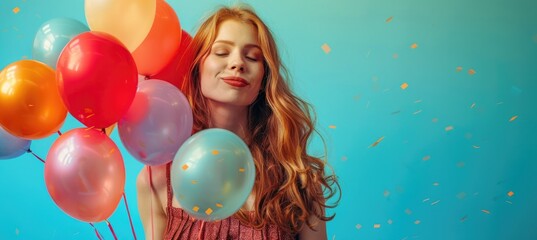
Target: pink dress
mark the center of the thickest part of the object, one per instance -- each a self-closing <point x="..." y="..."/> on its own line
<point x="181" y="226"/>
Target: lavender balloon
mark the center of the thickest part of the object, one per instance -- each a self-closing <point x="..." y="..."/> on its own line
<point x="157" y="123"/>
<point x="11" y="146"/>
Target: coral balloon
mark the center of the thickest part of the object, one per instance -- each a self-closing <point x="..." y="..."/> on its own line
<point x="85" y="175"/>
<point x="161" y="43"/>
<point x="158" y="122"/>
<point x="212" y="174"/>
<point x="11" y="146"/>
<point x="31" y="106"/>
<point x="97" y="79"/>
<point x="177" y="69"/>
<point x="128" y="20"/>
<point x="52" y="37"/>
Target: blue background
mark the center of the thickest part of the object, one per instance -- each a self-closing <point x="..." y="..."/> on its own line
<point x="433" y="161"/>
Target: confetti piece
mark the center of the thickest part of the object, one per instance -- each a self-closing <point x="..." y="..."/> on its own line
<point x="395" y="56"/>
<point x="417" y="222"/>
<point x="344" y="158"/>
<point x="396" y="112"/>
<point x="390" y="221"/>
<point x="389" y="19"/>
<point x="417" y="112"/>
<point x="464" y="218"/>
<point x="460" y="164"/>
<point x="508" y="202"/>
<point x="215" y="152"/>
<point x="326" y="48"/>
<point x="449" y="128"/>
<point x="376" y="225"/>
<point x="476" y="147"/>
<point x="195" y="208"/>
<point x="435" y="120"/>
<point x="358" y="226"/>
<point x="332" y="126"/>
<point x="386" y="193"/>
<point x="436" y="184"/>
<point x="485" y="211"/>
<point x="414" y="46"/>
<point x="458" y="69"/>
<point x="471" y="71"/>
<point x="208" y="211"/>
<point x="91" y="115"/>
<point x="426" y="158"/>
<point x="425" y="200"/>
<point x="17" y="231"/>
<point x="241" y="169"/>
<point x="194" y="181"/>
<point x="510" y="193"/>
<point x="499" y="103"/>
<point x="219" y="205"/>
<point x="473" y="105"/>
<point x="513" y="118"/>
<point x="404" y="86"/>
<point x="111" y="151"/>
<point x="435" y="202"/>
<point x="377" y="142"/>
<point x="461" y="195"/>
<point x="408" y="211"/>
<point x="16" y="10"/>
<point x="184" y="167"/>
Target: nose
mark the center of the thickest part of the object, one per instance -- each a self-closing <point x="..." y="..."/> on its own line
<point x="236" y="63"/>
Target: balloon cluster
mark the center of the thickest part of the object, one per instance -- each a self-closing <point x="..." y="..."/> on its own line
<point x="93" y="73"/>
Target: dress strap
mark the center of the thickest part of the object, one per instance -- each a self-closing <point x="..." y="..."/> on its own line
<point x="169" y="189"/>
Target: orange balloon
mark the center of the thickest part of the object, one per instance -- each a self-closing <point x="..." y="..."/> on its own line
<point x="162" y="42"/>
<point x="30" y="101"/>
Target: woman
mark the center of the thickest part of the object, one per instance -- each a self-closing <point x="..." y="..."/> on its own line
<point x="237" y="82"/>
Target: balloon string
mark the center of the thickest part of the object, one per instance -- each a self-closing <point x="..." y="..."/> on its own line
<point x="96" y="232"/>
<point x="128" y="212"/>
<point x="151" y="203"/>
<point x="59" y="133"/>
<point x="30" y="151"/>
<point x="111" y="229"/>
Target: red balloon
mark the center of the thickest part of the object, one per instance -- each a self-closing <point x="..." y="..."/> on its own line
<point x="85" y="174"/>
<point x="175" y="71"/>
<point x="97" y="78"/>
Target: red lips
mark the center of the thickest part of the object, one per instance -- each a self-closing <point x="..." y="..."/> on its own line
<point x="235" y="81"/>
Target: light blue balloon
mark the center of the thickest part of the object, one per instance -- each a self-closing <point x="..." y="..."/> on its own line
<point x="212" y="174"/>
<point x="52" y="37"/>
<point x="11" y="146"/>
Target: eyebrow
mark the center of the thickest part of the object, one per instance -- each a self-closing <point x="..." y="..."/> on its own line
<point x="251" y="45"/>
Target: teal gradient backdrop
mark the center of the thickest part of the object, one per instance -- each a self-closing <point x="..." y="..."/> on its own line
<point x="427" y="109"/>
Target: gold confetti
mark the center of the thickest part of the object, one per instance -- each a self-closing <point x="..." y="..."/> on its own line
<point x="414" y="46"/>
<point x="358" y="226"/>
<point x="404" y="86"/>
<point x="208" y="211"/>
<point x="91" y="115"/>
<point x="215" y="152"/>
<point x="458" y="69"/>
<point x="16" y="10"/>
<point x="195" y="208"/>
<point x="194" y="181"/>
<point x="24" y="57"/>
<point x="185" y="167"/>
<point x="390" y="221"/>
<point x="219" y="205"/>
<point x="513" y="118"/>
<point x="510" y="193"/>
<point x="471" y="71"/>
<point x="460" y="164"/>
<point x="241" y="169"/>
<point x="485" y="211"/>
<point x="461" y="195"/>
<point x="417" y="222"/>
<point x="386" y="193"/>
<point x="326" y="48"/>
<point x="395" y="56"/>
<point x="376" y="225"/>
<point x="344" y="158"/>
<point x="408" y="211"/>
<point x="435" y="120"/>
<point x="389" y="19"/>
<point x="449" y="128"/>
<point x="426" y="158"/>
<point x="473" y="105"/>
<point x="111" y="151"/>
<point x="476" y="147"/>
<point x="377" y="142"/>
<point x="332" y="126"/>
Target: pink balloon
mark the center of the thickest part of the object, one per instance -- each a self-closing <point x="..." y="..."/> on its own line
<point x="85" y="175"/>
<point x="158" y="122"/>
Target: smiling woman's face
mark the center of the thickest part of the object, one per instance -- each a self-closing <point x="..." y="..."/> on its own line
<point x="232" y="71"/>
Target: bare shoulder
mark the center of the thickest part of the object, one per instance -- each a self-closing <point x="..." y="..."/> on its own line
<point x="158" y="178"/>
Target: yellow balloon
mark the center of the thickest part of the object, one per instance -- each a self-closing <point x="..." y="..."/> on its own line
<point x="128" y="20"/>
<point x="30" y="102"/>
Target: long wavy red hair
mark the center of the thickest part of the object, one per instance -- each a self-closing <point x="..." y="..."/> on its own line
<point x="290" y="184"/>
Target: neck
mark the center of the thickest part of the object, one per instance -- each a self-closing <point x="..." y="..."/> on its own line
<point x="230" y="117"/>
